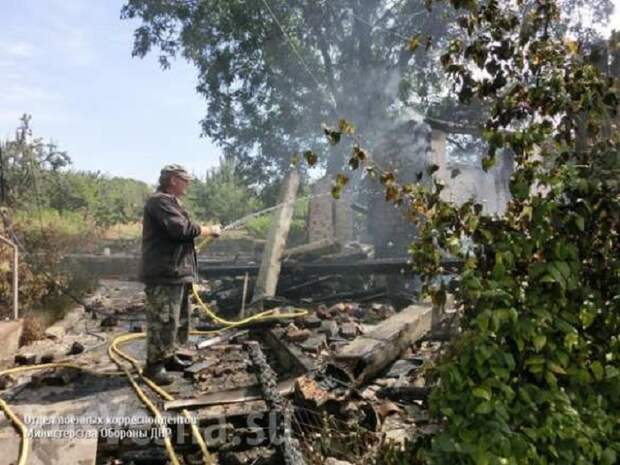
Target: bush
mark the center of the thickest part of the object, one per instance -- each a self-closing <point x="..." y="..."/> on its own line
<point x="223" y="195"/>
<point x="259" y="226"/>
<point x="44" y="280"/>
<point x="534" y="377"/>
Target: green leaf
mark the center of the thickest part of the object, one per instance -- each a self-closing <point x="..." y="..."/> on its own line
<point x="484" y="408"/>
<point x="345" y="127"/>
<point x="311" y="157"/>
<point x="580" y="223"/>
<point x="555" y="272"/>
<point x="597" y="370"/>
<point x="539" y="342"/>
<point x="571" y="340"/>
<point x="487" y="163"/>
<point x="611" y="372"/>
<point x="555" y="368"/>
<point x="550" y="378"/>
<point x="414" y="43"/>
<point x="609" y="457"/>
<point x="482" y="393"/>
<point x="535" y="360"/>
<point x="587" y="315"/>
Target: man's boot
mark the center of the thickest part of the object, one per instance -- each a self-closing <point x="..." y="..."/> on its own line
<point x="174" y="363"/>
<point x="156" y="372"/>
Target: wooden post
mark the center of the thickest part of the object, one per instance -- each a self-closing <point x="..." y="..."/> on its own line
<point x="244" y="295"/>
<point x="15" y="282"/>
<point x="269" y="270"/>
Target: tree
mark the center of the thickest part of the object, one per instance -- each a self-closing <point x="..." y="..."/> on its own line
<point x="534" y="377"/>
<point x="23" y="162"/>
<point x="272" y="71"/>
<point x="223" y="195"/>
<point x="35" y="176"/>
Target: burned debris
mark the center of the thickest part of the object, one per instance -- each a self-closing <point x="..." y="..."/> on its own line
<point x="333" y="384"/>
<point x="299" y="391"/>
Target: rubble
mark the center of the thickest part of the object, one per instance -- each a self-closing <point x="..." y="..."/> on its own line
<point x="294" y="334"/>
<point x="76" y="348"/>
<point x="330" y="328"/>
<point x="109" y="322"/>
<point x="55" y="332"/>
<point x="288" y="445"/>
<point x="305" y="371"/>
<point x="25" y="359"/>
<point x="333" y="461"/>
<point x="47" y="358"/>
<point x="349" y="330"/>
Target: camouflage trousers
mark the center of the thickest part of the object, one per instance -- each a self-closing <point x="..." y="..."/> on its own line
<point x="167" y="320"/>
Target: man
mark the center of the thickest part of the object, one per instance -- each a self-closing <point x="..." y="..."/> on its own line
<point x="168" y="268"/>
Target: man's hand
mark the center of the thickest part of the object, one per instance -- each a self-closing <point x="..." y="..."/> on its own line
<point x="214" y="230"/>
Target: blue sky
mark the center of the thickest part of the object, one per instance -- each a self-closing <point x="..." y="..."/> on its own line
<point x="68" y="63"/>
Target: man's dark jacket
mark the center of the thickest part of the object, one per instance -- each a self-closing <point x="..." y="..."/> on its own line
<point x="168" y="254"/>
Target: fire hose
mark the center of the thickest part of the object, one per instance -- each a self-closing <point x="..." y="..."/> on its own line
<point x="118" y="356"/>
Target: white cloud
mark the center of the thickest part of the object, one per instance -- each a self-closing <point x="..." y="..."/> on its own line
<point x="74" y="46"/>
<point x="17" y="49"/>
<point x="22" y="93"/>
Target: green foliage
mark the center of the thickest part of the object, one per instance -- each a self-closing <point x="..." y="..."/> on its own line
<point x="271" y="71"/>
<point x="68" y="224"/>
<point x="35" y="177"/>
<point x="117" y="200"/>
<point x="51" y="212"/>
<point x="535" y="376"/>
<point x="259" y="226"/>
<point x="223" y="195"/>
<point x="44" y="240"/>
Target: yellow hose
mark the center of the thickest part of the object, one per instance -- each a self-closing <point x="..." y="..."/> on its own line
<point x="116" y="354"/>
<point x="23" y="431"/>
<point x="123" y="339"/>
<point x="25" y="443"/>
<point x="267" y="315"/>
<point x="156" y="413"/>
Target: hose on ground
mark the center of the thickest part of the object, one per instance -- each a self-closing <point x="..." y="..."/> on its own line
<point x="117" y="356"/>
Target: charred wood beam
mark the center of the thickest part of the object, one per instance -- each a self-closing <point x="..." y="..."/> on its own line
<point x="355" y="295"/>
<point x="231" y="396"/>
<point x="313" y="249"/>
<point x="127" y="266"/>
<point x="302" y="286"/>
<point x="289" y="446"/>
<point x="380" y="266"/>
<point x="368" y="355"/>
<point x="451" y="127"/>
<point x="406" y="393"/>
<point x="294" y="361"/>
